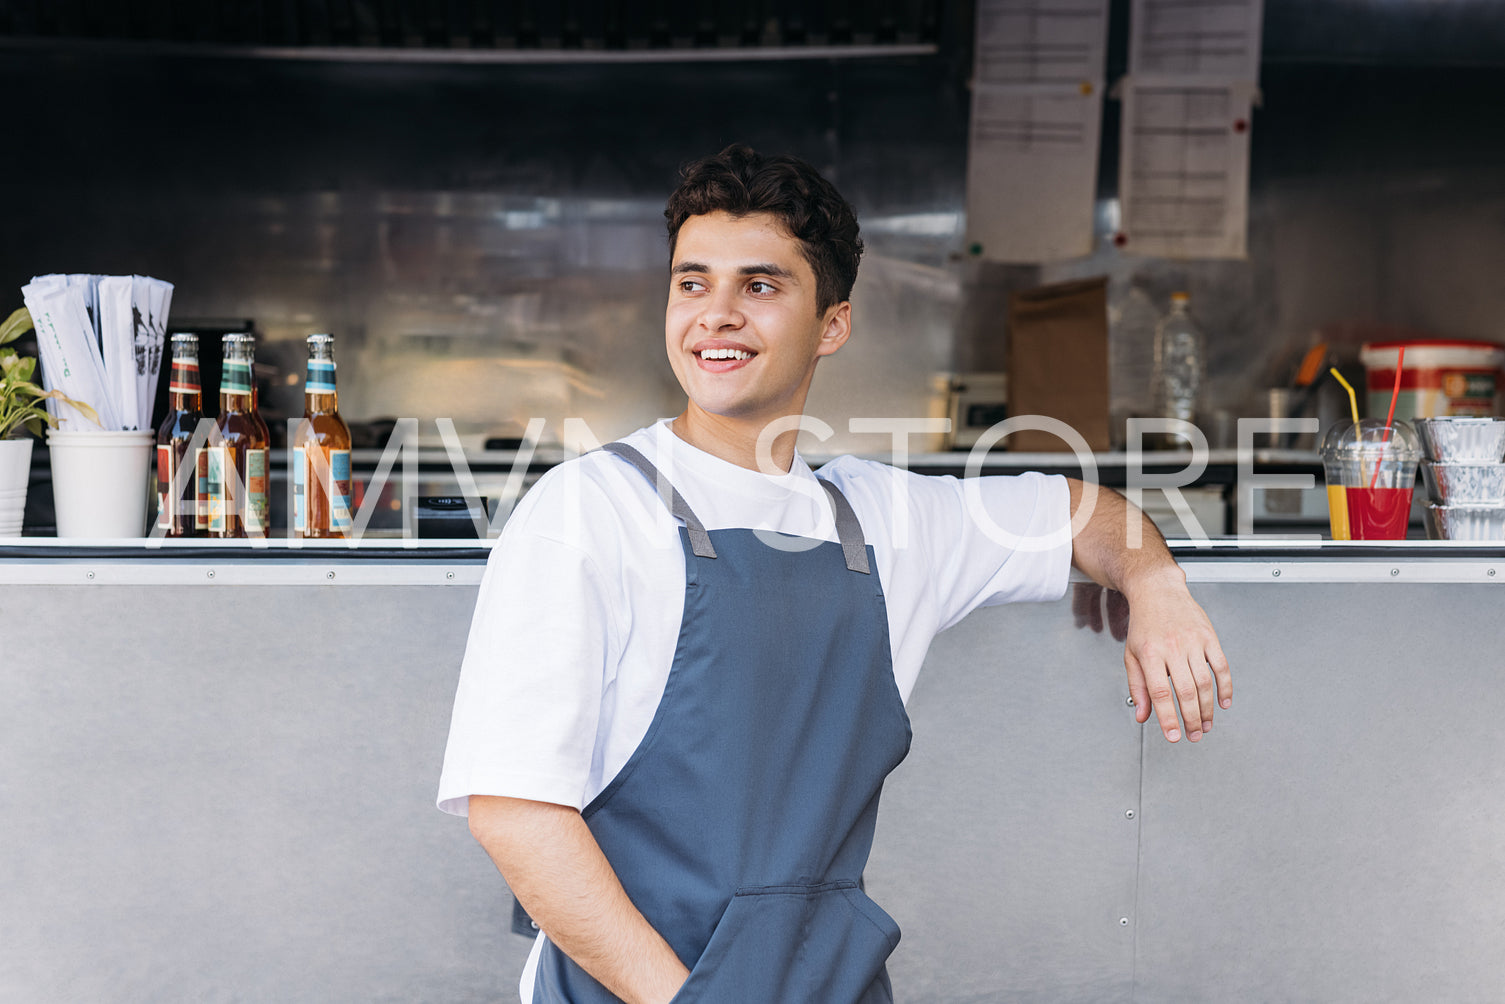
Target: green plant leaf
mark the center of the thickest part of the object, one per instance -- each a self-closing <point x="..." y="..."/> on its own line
<point x="14" y="414"/>
<point x="16" y="325"/>
<point x="31" y="417"/>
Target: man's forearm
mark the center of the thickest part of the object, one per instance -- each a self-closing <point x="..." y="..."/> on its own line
<point x="556" y="869"/>
<point x="1101" y="548"/>
<point x="1171" y="654"/>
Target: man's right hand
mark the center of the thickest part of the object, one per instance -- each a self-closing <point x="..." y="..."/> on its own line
<point x="555" y="868"/>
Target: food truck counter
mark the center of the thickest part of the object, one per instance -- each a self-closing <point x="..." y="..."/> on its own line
<point x="221" y="767"/>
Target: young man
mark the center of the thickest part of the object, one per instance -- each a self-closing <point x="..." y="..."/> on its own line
<point x="670" y="734"/>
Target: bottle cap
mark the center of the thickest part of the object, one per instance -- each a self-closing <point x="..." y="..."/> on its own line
<point x="1180" y="298"/>
<point x="321" y="338"/>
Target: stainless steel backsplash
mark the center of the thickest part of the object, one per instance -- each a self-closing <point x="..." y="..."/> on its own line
<point x="486" y="241"/>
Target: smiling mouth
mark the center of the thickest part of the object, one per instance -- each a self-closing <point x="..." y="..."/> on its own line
<point x="717" y="354"/>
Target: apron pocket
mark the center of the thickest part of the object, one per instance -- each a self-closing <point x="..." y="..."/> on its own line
<point x="822" y="944"/>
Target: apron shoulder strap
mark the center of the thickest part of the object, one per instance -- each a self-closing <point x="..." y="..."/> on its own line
<point x="848" y="529"/>
<point x="700" y="540"/>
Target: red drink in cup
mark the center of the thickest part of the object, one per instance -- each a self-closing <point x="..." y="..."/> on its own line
<point x="1378" y="513"/>
<point x="1371" y="471"/>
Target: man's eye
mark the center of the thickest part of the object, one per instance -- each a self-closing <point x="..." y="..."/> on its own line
<point x="760" y="287"/>
<point x="689" y="285"/>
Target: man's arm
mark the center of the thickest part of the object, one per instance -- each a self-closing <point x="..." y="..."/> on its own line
<point x="1172" y="651"/>
<point x="556" y="870"/>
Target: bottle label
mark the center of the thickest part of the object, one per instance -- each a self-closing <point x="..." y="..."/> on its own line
<point x="335" y="481"/>
<point x="220" y="487"/>
<point x="320" y="378"/>
<point x="236" y="378"/>
<point x="165" y="470"/>
<point x="201" y="491"/>
<point x="178" y="509"/>
<point x="185" y="377"/>
<point x="300" y="491"/>
<point x="339" y="494"/>
<point x="258" y="507"/>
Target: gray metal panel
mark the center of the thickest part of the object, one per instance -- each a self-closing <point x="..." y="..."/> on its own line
<point x="1003" y="848"/>
<point x="228" y="794"/>
<point x="486" y="241"/>
<point x="247" y="812"/>
<point x="1339" y="835"/>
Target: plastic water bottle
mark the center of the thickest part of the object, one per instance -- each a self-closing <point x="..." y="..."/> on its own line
<point x="1133" y="319"/>
<point x="1180" y="354"/>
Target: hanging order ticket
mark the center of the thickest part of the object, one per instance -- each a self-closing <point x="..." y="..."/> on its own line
<point x="1036" y="123"/>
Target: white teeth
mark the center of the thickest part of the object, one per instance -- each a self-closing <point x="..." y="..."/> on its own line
<point x="724" y="354"/>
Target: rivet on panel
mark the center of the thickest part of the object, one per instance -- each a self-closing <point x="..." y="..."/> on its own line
<point x="451" y="575"/>
<point x="1128" y="813"/>
<point x="89" y="575"/>
<point x="1275" y="572"/>
<point x="328" y="575"/>
<point x="1491" y="573"/>
<point x="209" y="574"/>
<point x="1123" y="921"/>
<point x="1395" y="571"/>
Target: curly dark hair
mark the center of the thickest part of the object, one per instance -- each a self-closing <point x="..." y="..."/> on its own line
<point x="740" y="181"/>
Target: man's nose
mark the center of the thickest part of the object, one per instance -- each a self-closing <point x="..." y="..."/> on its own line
<point x="721" y="310"/>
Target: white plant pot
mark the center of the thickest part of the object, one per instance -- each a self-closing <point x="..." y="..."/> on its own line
<point x="15" y="463"/>
<point x="15" y="473"/>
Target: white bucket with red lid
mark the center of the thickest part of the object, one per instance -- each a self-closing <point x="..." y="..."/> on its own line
<point x="1440" y="378"/>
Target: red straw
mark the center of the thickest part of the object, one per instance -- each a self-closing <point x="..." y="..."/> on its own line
<point x="1400" y="362"/>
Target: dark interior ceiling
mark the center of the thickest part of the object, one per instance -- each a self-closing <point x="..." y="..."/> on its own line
<point x="481" y="24"/>
<point x="1393" y="32"/>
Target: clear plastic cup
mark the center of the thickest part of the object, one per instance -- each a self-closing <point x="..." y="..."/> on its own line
<point x="1371" y="472"/>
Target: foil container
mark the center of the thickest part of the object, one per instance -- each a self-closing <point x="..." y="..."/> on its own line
<point x="1465" y="484"/>
<point x="1460" y="440"/>
<point x="1465" y="522"/>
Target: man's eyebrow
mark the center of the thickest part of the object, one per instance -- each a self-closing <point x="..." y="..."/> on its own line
<point x="768" y="268"/>
<point x="764" y="268"/>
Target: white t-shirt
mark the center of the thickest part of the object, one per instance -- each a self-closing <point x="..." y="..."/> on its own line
<point x="578" y="614"/>
<point x="579" y="610"/>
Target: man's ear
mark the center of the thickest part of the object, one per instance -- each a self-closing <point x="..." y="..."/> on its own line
<point x="836" y="329"/>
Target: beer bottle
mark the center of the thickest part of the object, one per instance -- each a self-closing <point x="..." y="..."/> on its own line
<point x="177" y="512"/>
<point x="224" y="465"/>
<point x="321" y="451"/>
<point x="258" y="512"/>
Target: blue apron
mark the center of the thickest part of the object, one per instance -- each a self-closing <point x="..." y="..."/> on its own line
<point x="741" y="824"/>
